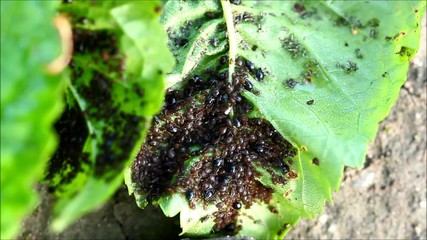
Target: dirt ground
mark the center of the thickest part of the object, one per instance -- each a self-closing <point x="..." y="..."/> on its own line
<point x="384" y="200"/>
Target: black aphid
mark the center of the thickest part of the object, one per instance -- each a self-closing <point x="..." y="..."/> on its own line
<point x="299" y="8"/>
<point x="236" y="2"/>
<point x="210" y="14"/>
<point x="209" y="193"/>
<point x="223" y="60"/>
<point x="172" y="129"/>
<point x="284" y="167"/>
<point x="218" y="162"/>
<point x="290" y="83"/>
<point x="224" y="180"/>
<point x="232" y="168"/>
<point x="315" y="161"/>
<point x="237" y="122"/>
<point x="259" y="149"/>
<point x="237" y="205"/>
<point x="358" y="53"/>
<point x="196" y="79"/>
<point x="239" y="62"/>
<point x="310" y="102"/>
<point x="213" y="82"/>
<point x="222" y="130"/>
<point x="248" y="85"/>
<point x="224" y="97"/>
<point x="373" y="33"/>
<point x="183" y="42"/>
<point x="210" y="99"/>
<point x="250" y="65"/>
<point x="189" y="194"/>
<point x="259" y="74"/>
<point x="230" y="227"/>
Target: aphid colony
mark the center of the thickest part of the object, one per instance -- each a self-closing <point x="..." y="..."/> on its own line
<point x="291" y="44"/>
<point x="204" y="146"/>
<point x="119" y="131"/>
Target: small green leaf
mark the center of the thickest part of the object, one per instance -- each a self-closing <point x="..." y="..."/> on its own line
<point x="172" y="205"/>
<point x="197" y="221"/>
<point x="262" y="221"/>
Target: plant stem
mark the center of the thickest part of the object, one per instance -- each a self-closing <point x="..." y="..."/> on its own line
<point x="232" y="43"/>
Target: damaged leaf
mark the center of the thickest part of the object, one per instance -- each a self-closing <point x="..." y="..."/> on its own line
<point x="115" y="88"/>
<point x="267" y="103"/>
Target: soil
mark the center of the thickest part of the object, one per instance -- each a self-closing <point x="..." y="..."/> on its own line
<point x="384" y="200"/>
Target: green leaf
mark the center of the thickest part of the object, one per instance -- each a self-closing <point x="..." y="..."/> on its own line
<point x="348" y="104"/>
<point x="31" y="100"/>
<point x="116" y="87"/>
<point x="172" y="205"/>
<point x="332" y="70"/>
<point x="266" y="224"/>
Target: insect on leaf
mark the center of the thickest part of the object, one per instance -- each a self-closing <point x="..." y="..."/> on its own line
<point x="117" y="84"/>
<point x="268" y="101"/>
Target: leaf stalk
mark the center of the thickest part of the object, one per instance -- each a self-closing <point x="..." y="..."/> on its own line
<point x="232" y="40"/>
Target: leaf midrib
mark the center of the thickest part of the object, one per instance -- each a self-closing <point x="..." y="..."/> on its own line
<point x="232" y="39"/>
